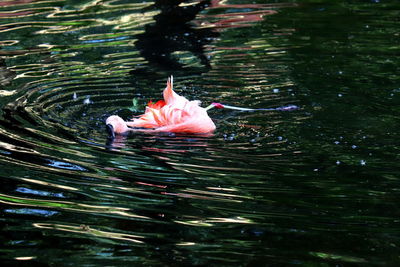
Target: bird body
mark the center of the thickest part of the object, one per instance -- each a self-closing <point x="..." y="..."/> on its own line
<point x="173" y="114"/>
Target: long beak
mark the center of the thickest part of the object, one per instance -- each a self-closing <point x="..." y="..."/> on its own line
<point x="110" y="131"/>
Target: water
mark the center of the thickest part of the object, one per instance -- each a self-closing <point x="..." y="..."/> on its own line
<point x="315" y="186"/>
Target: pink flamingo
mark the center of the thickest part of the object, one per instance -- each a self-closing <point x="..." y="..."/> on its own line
<point x="174" y="114"/>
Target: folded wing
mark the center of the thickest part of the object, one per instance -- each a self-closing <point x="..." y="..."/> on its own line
<point x="175" y="114"/>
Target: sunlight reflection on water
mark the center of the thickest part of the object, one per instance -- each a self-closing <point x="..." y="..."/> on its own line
<point x="315" y="185"/>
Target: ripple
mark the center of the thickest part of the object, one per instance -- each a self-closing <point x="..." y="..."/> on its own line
<point x="89" y="231"/>
<point x="64" y="205"/>
<point x="239" y="196"/>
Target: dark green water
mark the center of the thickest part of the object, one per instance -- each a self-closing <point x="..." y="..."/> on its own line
<point x="318" y="186"/>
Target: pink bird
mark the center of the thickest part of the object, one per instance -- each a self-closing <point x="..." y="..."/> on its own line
<point x="174" y="114"/>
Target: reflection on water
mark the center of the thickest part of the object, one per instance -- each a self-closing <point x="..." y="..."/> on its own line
<point x="5" y="78"/>
<point x="314" y="186"/>
<point x="171" y="37"/>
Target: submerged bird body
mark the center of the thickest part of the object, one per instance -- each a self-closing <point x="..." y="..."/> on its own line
<point x="173" y="114"/>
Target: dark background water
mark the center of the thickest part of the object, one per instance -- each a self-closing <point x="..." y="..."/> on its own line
<point x="317" y="186"/>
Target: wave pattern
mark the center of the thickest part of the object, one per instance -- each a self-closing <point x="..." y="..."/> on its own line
<point x="239" y="197"/>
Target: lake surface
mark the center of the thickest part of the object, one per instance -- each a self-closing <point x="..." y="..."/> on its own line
<point x="316" y="186"/>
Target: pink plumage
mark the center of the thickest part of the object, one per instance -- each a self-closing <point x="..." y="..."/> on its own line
<point x="173" y="114"/>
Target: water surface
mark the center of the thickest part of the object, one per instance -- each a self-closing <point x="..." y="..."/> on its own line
<point x="317" y="186"/>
